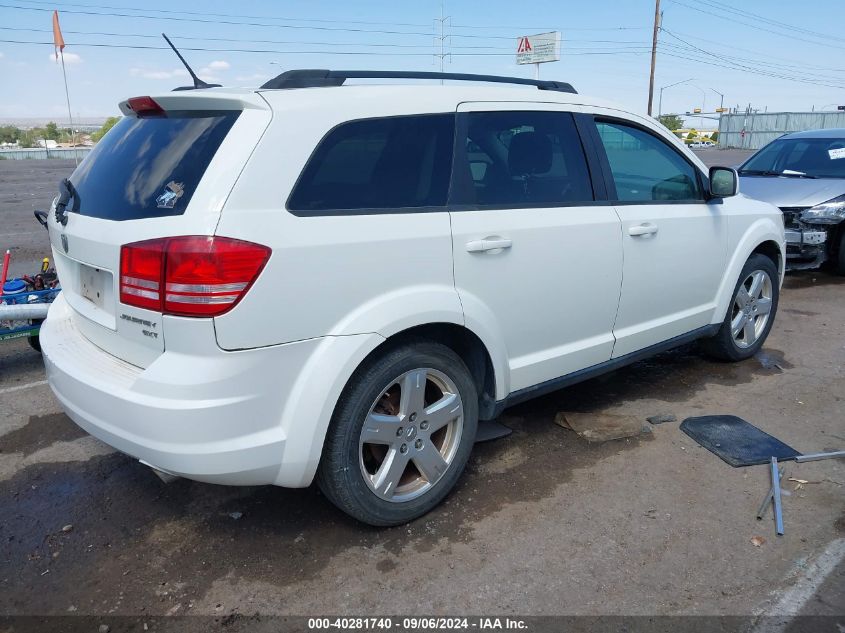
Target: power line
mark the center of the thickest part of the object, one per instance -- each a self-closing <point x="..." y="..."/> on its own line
<point x="53" y="5"/>
<point x="768" y="56"/>
<point x="509" y="27"/>
<point x="298" y="52"/>
<point x="791" y="27"/>
<point x="262" y="25"/>
<point x="754" y="26"/>
<point x="220" y="39"/>
<point x="737" y="64"/>
<point x="229" y="22"/>
<point x="537" y="28"/>
<point x="709" y="63"/>
<point x="753" y="65"/>
<point x="717" y="64"/>
<point x="314" y="43"/>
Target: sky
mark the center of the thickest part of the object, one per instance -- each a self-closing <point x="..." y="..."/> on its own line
<point x="768" y="53"/>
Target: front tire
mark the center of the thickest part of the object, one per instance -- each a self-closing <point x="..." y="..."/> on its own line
<point x="751" y="312"/>
<point x="400" y="435"/>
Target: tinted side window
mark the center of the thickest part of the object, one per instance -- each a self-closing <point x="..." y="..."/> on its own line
<point x="390" y="163"/>
<point x="644" y="168"/>
<point x="523" y="158"/>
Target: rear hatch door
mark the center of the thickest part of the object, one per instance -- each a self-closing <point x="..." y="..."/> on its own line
<point x="161" y="174"/>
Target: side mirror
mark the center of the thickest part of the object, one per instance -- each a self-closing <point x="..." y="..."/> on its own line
<point x="724" y="182"/>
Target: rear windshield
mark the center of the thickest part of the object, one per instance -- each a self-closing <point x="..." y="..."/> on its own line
<point x="149" y="168"/>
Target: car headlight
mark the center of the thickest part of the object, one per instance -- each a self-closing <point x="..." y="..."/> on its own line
<point x="830" y="212"/>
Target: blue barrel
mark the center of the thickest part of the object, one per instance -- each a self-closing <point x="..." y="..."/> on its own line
<point x="14" y="287"/>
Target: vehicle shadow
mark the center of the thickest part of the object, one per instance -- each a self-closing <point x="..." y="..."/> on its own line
<point x="799" y="279"/>
<point x="137" y="531"/>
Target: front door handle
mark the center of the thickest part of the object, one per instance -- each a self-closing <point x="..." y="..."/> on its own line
<point x="646" y="228"/>
<point x="488" y="244"/>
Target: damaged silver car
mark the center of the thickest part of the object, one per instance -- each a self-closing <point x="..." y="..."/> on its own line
<point x="804" y="174"/>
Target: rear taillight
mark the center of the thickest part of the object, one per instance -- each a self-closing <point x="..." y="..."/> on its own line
<point x="194" y="275"/>
<point x="141" y="266"/>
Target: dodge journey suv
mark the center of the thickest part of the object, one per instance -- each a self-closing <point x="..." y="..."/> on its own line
<point x="318" y="281"/>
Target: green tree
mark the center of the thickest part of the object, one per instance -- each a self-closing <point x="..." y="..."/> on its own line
<point x="51" y="131"/>
<point x="9" y="134"/>
<point x="109" y="124"/>
<point x="715" y="136"/>
<point x="672" y="122"/>
<point x="30" y="138"/>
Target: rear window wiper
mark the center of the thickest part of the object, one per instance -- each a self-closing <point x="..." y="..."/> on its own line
<point x="67" y="192"/>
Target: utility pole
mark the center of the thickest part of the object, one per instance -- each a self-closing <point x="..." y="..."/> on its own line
<point x="653" y="54"/>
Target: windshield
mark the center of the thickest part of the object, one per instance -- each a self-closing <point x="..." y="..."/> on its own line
<point x="149" y="168"/>
<point x="799" y="157"/>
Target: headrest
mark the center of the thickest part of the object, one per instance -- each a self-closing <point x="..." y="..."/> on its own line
<point x="530" y="153"/>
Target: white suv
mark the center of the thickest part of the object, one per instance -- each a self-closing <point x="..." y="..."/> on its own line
<point x="312" y="280"/>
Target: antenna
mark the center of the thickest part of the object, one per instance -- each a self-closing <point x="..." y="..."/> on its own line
<point x="198" y="83"/>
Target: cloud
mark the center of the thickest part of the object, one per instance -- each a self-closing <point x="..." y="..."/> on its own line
<point x="209" y="73"/>
<point x="1" y="55"/>
<point x="252" y="78"/>
<point x="147" y="73"/>
<point x="70" y="58"/>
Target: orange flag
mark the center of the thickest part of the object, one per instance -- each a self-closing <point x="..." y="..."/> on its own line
<point x="58" y="40"/>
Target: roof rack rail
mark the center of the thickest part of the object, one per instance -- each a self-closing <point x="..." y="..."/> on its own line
<point x="315" y="78"/>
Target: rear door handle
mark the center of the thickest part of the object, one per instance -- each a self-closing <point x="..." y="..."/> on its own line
<point x="646" y="228"/>
<point x="488" y="244"/>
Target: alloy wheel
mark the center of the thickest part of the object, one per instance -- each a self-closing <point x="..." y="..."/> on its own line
<point x="752" y="308"/>
<point x="411" y="434"/>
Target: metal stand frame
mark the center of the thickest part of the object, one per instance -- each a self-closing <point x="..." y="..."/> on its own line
<point x="774" y="494"/>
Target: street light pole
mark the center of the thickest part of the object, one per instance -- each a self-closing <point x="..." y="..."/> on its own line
<point x="660" y="99"/>
<point x="722" y="104"/>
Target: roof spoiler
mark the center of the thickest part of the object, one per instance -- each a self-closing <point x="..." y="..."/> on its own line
<point x="317" y="78"/>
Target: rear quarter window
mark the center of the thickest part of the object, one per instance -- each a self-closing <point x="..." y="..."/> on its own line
<point x="378" y="165"/>
<point x="149" y="167"/>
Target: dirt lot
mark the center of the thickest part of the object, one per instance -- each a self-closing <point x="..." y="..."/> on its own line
<point x="542" y="523"/>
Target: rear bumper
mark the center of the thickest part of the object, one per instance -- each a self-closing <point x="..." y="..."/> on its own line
<point x="208" y="415"/>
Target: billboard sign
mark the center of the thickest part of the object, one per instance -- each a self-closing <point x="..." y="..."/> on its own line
<point x="537" y="49"/>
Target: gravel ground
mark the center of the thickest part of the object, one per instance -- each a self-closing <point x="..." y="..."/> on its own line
<point x="542" y="523"/>
<point x="27" y="186"/>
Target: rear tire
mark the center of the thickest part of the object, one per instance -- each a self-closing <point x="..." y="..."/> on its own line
<point x="750" y="314"/>
<point x="34" y="341"/>
<point x="420" y="406"/>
